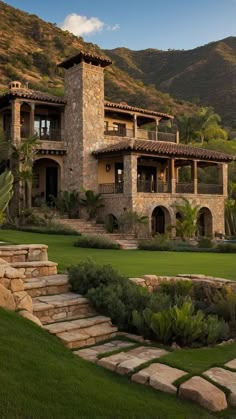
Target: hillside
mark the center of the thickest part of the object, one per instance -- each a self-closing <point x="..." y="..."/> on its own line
<point x="204" y="75"/>
<point x="32" y="54"/>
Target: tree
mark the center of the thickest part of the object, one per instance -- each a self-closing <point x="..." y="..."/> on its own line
<point x="92" y="202"/>
<point x="186" y="126"/>
<point x="131" y="221"/>
<point x="6" y="192"/>
<point x="24" y="155"/>
<point x="208" y="125"/>
<point x="230" y="211"/>
<point x="186" y="225"/>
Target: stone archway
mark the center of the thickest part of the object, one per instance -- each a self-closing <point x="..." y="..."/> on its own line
<point x="161" y="219"/>
<point x="205" y="222"/>
<point x="46" y="180"/>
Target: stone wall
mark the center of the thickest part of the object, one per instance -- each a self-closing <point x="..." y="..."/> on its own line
<point x="12" y="294"/>
<point x="152" y="282"/>
<point x="24" y="253"/>
<point x="84" y="124"/>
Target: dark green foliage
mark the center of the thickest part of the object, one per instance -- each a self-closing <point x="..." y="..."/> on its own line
<point x="50" y="228"/>
<point x="205" y="243"/>
<point x="92" y="202"/>
<point x="96" y="242"/>
<point x="168" y="316"/>
<point x="226" y="247"/>
<point x="67" y="202"/>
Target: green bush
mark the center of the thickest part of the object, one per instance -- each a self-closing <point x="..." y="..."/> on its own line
<point x="52" y="228"/>
<point x="159" y="242"/>
<point x="226" y="247"/>
<point x="168" y="316"/>
<point x="96" y="242"/>
<point x="88" y="274"/>
<point x="205" y="243"/>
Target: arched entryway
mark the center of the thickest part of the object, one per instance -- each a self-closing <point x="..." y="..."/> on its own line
<point x="160" y="220"/>
<point x="205" y="223"/>
<point x="46" y="180"/>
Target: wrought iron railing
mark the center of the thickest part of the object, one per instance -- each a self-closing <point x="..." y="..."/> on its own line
<point x="111" y="188"/>
<point x="184" y="187"/>
<point x="141" y="134"/>
<point x="148" y="186"/>
<point x="49" y="135"/>
<point x="211" y="189"/>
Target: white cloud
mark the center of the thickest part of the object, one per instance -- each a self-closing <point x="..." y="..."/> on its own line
<point x="82" y="25"/>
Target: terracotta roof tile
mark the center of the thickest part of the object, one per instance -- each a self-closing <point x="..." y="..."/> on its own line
<point x="33" y="94"/>
<point x="127" y="107"/>
<point x="162" y="148"/>
<point x="85" y="56"/>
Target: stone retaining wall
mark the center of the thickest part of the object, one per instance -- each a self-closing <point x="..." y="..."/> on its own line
<point x="154" y="281"/>
<point x="24" y="253"/>
<point x="12" y="294"/>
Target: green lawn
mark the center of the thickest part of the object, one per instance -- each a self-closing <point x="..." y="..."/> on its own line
<point x="131" y="263"/>
<point x="41" y="379"/>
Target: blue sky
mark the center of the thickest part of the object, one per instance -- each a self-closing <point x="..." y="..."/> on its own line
<point x="139" y="24"/>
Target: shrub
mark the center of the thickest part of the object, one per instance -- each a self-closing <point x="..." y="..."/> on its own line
<point x="226" y="247"/>
<point x="159" y="242"/>
<point x="180" y="288"/>
<point x="88" y="274"/>
<point x="52" y="228"/>
<point x="205" y="243"/>
<point x="215" y="330"/>
<point x="96" y="242"/>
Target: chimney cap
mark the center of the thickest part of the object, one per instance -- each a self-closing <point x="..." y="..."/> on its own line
<point x="15" y="85"/>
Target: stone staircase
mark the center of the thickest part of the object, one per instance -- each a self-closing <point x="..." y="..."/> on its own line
<point x="67" y="315"/>
<point x="85" y="227"/>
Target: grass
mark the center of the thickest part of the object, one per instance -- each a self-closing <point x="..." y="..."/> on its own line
<point x="196" y="361"/>
<point x="131" y="263"/>
<point x="40" y="378"/>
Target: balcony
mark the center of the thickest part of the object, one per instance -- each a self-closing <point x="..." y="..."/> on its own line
<point x="49" y="135"/>
<point x="111" y="188"/>
<point x="210" y="189"/>
<point x="146" y="186"/>
<point x="184" y="187"/>
<point x="141" y="134"/>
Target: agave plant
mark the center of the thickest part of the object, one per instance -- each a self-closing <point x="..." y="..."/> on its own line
<point x="6" y="191"/>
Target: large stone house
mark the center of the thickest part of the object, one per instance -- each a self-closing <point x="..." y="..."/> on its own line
<point x="86" y="142"/>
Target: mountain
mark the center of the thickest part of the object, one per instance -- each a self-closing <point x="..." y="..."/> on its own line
<point x="30" y="50"/>
<point x="205" y="75"/>
<point x="169" y="81"/>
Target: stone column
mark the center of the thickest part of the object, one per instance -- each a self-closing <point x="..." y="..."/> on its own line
<point x="172" y="176"/>
<point x="130" y="174"/>
<point x="194" y="176"/>
<point x="135" y="126"/>
<point x="223" y="177"/>
<point x="177" y="137"/>
<point x="31" y="127"/>
<point x="157" y="124"/>
<point x="62" y="126"/>
<point x="16" y="125"/>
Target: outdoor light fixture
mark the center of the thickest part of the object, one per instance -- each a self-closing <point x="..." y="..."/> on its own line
<point x="108" y="167"/>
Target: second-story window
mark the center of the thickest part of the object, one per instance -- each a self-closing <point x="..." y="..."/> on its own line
<point x="46" y="128"/>
<point x="119" y="129"/>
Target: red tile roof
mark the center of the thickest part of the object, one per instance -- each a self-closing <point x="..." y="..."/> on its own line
<point x="161" y="148"/>
<point x="32" y="94"/>
<point x="127" y="107"/>
<point x="87" y="57"/>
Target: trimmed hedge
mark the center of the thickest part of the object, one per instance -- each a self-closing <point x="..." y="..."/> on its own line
<point x="96" y="242"/>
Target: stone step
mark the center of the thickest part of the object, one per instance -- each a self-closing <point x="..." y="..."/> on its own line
<point x="74" y="325"/>
<point x="87" y="335"/>
<point x="36" y="269"/>
<point x="47" y="285"/>
<point x="51" y="308"/>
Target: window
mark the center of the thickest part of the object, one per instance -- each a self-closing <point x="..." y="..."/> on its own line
<point x="46" y="128"/>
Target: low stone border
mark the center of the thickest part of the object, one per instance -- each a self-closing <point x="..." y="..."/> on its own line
<point x="154" y="281"/>
<point x="24" y="253"/>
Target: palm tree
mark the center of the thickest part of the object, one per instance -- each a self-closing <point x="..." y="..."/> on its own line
<point x="92" y="202"/>
<point x="208" y="125"/>
<point x="230" y="211"/>
<point x="131" y="221"/>
<point x="186" y="225"/>
<point x="186" y="128"/>
<point x="6" y="192"/>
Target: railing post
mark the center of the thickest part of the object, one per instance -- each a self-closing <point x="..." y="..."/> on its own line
<point x="177" y="137"/>
<point x="223" y="177"/>
<point x="31" y="123"/>
<point x="194" y="177"/>
<point x="157" y="124"/>
<point x="172" y="175"/>
<point x="135" y="127"/>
